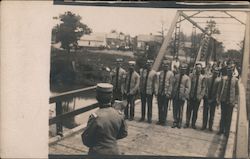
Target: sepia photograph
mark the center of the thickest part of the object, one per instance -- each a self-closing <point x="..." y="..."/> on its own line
<point x="148" y="81"/>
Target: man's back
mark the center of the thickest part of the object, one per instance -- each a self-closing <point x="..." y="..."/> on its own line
<point x="103" y="129"/>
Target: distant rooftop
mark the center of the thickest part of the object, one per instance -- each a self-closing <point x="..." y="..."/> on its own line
<point x="94" y="37"/>
<point x="148" y="38"/>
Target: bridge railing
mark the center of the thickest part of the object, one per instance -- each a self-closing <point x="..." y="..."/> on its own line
<point x="60" y="116"/>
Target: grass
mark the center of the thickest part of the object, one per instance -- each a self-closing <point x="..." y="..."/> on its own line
<point x="89" y="66"/>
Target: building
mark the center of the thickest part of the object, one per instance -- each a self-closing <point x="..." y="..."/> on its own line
<point x="95" y="40"/>
<point x="144" y="40"/>
<point x="115" y="40"/>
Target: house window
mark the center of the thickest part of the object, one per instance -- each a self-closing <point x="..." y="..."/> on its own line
<point x="89" y="43"/>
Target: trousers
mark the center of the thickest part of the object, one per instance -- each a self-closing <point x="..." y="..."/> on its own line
<point x="226" y="117"/>
<point x="208" y="112"/>
<point x="117" y="95"/>
<point x="192" y="110"/>
<point x="146" y="99"/>
<point x="178" y="110"/>
<point x="130" y="108"/>
<point x="162" y="108"/>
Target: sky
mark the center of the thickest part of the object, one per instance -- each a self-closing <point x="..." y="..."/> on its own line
<point x="136" y="21"/>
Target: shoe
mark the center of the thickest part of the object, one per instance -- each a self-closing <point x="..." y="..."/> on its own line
<point x="203" y="128"/>
<point x="149" y="121"/>
<point x="179" y="126"/>
<point x="141" y="120"/>
<point x="219" y="133"/>
<point x="174" y="126"/>
<point x="186" y="126"/>
<point x="164" y="124"/>
<point x="226" y="135"/>
<point x="193" y="126"/>
<point x="210" y="129"/>
<point x="159" y="123"/>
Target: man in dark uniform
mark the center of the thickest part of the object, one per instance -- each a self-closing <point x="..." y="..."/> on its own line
<point x="131" y="87"/>
<point x="198" y="86"/>
<point x="164" y="91"/>
<point x="104" y="126"/>
<point x="228" y="96"/>
<point x="118" y="79"/>
<point x="181" y="91"/>
<point x="147" y="89"/>
<point x="211" y="98"/>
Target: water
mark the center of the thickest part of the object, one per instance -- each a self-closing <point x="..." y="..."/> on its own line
<point x="70" y="105"/>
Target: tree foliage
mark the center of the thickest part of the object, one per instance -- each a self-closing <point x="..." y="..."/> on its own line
<point x="211" y="27"/>
<point x="232" y="54"/>
<point x="70" y="30"/>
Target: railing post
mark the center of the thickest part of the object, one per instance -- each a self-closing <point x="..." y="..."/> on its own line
<point x="59" y="128"/>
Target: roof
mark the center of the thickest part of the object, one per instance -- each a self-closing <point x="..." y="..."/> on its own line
<point x="115" y="36"/>
<point x="187" y="44"/>
<point x="148" y="38"/>
<point x="94" y="37"/>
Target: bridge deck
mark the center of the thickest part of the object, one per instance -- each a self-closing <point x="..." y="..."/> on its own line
<point x="152" y="139"/>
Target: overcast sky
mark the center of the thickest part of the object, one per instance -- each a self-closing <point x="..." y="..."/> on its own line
<point x="136" y="21"/>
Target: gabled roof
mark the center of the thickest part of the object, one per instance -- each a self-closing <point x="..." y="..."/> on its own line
<point x="148" y="38"/>
<point x="94" y="37"/>
<point x="115" y="36"/>
<point x="187" y="44"/>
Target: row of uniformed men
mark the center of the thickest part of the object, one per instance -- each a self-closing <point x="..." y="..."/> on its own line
<point x="106" y="125"/>
<point x="166" y="86"/>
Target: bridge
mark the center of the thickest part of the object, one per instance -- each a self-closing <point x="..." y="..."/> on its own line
<point x="152" y="139"/>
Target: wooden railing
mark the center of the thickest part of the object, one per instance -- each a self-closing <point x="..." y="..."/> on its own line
<point x="58" y="99"/>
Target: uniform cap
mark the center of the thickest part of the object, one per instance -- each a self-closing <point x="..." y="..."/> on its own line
<point x="131" y="63"/>
<point x="119" y="59"/>
<point x="184" y="66"/>
<point x="150" y="61"/>
<point x="229" y="67"/>
<point x="198" y="64"/>
<point x="216" y="70"/>
<point x="104" y="87"/>
<point x="166" y="63"/>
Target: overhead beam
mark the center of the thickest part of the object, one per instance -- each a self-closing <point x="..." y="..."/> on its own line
<point x="193" y="22"/>
<point x="190" y="16"/>
<point x="210" y="17"/>
<point x="216" y="10"/>
<point x="234" y="17"/>
<point x="165" y="43"/>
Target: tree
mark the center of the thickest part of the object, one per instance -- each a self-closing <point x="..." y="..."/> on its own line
<point x="70" y="30"/>
<point x="113" y="31"/>
<point x="162" y="30"/>
<point x="232" y="54"/>
<point x="211" y="27"/>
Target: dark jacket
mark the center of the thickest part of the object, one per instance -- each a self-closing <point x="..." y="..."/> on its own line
<point x="212" y="93"/>
<point x="234" y="91"/>
<point x="201" y="87"/>
<point x="185" y="86"/>
<point x="103" y="129"/>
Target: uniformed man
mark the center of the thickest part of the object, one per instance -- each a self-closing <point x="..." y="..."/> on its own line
<point x="131" y="87"/>
<point x="118" y="79"/>
<point x="228" y="96"/>
<point x="104" y="126"/>
<point x="164" y="91"/>
<point x="147" y="90"/>
<point x="181" y="91"/>
<point x="197" y="92"/>
<point x="211" y="98"/>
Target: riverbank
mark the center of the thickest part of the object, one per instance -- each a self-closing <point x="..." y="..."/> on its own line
<point x="89" y="68"/>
